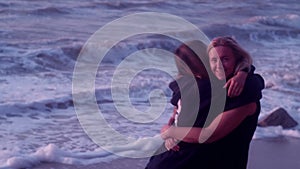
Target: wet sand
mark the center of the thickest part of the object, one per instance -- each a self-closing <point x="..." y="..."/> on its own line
<point x="279" y="153"/>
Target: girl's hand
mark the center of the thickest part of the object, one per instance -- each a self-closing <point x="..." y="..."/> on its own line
<point x="171" y="144"/>
<point x="165" y="132"/>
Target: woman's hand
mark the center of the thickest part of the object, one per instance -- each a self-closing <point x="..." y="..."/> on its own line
<point x="236" y="84"/>
<point x="171" y="144"/>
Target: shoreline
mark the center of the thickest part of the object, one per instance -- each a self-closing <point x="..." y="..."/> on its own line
<point x="265" y="153"/>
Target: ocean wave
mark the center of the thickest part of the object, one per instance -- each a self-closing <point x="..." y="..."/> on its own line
<point x="262" y="29"/>
<point x="283" y="28"/>
<point x="15" y="60"/>
<point x="11" y="109"/>
<point x="128" y="46"/>
<point x="125" y="4"/>
<point x="4" y="4"/>
<point x="285" y="21"/>
<point x="55" y="59"/>
<point x="49" y="11"/>
<point x="58" y="58"/>
<point x="43" y="106"/>
<point x="34" y="8"/>
<point x="283" y="36"/>
<point x="63" y="56"/>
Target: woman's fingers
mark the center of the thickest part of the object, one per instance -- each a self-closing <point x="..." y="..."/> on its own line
<point x="231" y="88"/>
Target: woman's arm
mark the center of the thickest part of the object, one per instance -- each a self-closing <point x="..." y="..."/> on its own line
<point x="222" y="125"/>
<point x="235" y="85"/>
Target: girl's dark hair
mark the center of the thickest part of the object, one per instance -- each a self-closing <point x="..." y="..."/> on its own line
<point x="190" y="59"/>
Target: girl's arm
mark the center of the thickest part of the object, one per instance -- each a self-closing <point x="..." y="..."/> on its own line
<point x="172" y="118"/>
<point x="222" y="125"/>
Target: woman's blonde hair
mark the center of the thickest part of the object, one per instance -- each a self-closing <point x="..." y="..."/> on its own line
<point x="243" y="58"/>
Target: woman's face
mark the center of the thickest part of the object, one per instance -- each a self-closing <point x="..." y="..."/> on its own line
<point x="222" y="61"/>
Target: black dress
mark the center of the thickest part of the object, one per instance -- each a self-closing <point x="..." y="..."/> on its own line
<point x="229" y="152"/>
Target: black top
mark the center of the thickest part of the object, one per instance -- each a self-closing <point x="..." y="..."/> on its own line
<point x="233" y="148"/>
<point x="195" y="100"/>
<point x="228" y="152"/>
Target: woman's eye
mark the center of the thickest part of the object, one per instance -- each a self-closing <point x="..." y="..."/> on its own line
<point x="214" y="60"/>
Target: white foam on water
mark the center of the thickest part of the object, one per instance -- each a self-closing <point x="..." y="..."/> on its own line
<point x="52" y="153"/>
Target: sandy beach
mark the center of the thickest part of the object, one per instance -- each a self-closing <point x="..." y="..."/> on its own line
<point x="278" y="153"/>
<point x="267" y="153"/>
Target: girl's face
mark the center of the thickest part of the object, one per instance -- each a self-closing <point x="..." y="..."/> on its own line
<point x="222" y="61"/>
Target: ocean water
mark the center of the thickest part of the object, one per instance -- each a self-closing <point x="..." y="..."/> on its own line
<point x="40" y="44"/>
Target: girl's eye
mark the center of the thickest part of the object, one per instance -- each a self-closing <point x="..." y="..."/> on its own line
<point x="225" y="59"/>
